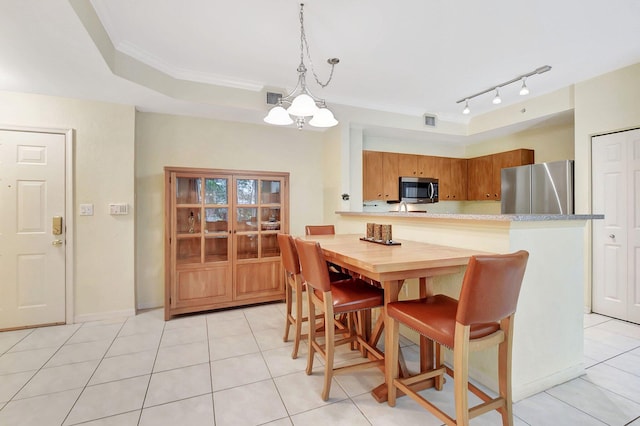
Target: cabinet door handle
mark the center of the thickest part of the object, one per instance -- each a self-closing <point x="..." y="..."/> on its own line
<point x="612" y="235"/>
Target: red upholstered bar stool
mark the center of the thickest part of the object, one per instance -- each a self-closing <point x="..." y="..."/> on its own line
<point x="319" y="230"/>
<point x="350" y="297"/>
<point x="481" y="318"/>
<point x="324" y="230"/>
<point x="294" y="284"/>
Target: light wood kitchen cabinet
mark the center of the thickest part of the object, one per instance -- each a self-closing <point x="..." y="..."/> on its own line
<point x="485" y="172"/>
<point x="408" y="165"/>
<point x="380" y="175"/>
<point x="452" y="179"/>
<point x="429" y="166"/>
<point x="480" y="178"/>
<point x="221" y="245"/>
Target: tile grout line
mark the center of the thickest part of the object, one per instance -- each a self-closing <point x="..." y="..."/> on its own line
<point x="94" y="371"/>
<point x="213" y="408"/>
<point x="38" y="369"/>
<point x="153" y="366"/>
<point x="273" y="382"/>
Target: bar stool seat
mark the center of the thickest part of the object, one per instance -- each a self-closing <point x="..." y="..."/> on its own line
<point x="434" y="316"/>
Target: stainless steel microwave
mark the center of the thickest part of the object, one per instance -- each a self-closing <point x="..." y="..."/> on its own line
<point x="418" y="190"/>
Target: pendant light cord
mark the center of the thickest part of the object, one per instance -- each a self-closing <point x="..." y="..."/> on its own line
<point x="304" y="47"/>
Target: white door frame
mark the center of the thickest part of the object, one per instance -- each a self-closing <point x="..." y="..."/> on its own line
<point x="589" y="307"/>
<point x="68" y="209"/>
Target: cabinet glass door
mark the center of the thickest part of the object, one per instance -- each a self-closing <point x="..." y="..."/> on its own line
<point x="188" y="216"/>
<point x="258" y="217"/>
<point x="216" y="219"/>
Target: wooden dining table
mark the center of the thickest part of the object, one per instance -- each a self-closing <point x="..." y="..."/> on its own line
<point x="391" y="265"/>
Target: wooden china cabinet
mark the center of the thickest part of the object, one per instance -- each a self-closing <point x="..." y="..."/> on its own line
<point x="221" y="247"/>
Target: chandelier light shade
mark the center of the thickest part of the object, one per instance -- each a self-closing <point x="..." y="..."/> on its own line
<point x="524" y="90"/>
<point x="323" y="118"/>
<point x="300" y="104"/>
<point x="278" y="116"/>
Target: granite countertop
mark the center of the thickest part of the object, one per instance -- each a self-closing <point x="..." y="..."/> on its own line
<point x="491" y="217"/>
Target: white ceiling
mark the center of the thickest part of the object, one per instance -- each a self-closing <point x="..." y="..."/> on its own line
<point x="410" y="56"/>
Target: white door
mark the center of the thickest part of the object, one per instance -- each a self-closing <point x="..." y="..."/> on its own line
<point x="32" y="256"/>
<point x="616" y="239"/>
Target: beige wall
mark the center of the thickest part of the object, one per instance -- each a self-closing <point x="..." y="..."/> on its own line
<point x="103" y="167"/>
<point x="604" y="104"/>
<point x="550" y="143"/>
<point x="167" y="140"/>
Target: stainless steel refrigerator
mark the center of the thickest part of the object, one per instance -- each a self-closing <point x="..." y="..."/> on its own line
<point x="545" y="188"/>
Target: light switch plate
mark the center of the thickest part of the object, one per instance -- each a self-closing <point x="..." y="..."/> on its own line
<point x="86" y="209"/>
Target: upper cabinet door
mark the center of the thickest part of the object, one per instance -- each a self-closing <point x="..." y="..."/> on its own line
<point x="372" y="175"/>
<point x="408" y="165"/>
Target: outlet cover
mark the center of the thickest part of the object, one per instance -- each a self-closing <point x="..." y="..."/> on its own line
<point x="86" y="209"/>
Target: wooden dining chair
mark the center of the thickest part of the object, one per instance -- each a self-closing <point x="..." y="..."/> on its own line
<point x="481" y="318"/>
<point x="351" y="297"/>
<point x="294" y="285"/>
<point x="319" y="230"/>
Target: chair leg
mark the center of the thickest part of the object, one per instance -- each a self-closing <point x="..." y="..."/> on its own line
<point x="504" y="372"/>
<point x="311" y="340"/>
<point x="287" y="322"/>
<point x="296" y="341"/>
<point x="461" y="376"/>
<point x="439" y="380"/>
<point x="329" y="345"/>
<point x="391" y="361"/>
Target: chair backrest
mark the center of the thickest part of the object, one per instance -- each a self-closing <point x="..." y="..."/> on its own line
<point x="319" y="230"/>
<point x="314" y="266"/>
<point x="491" y="287"/>
<point x="290" y="259"/>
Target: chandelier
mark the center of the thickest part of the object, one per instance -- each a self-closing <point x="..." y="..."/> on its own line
<point x="301" y="103"/>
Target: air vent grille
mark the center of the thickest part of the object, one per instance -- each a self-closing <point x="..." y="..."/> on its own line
<point x="273" y="98"/>
<point x="430" y="120"/>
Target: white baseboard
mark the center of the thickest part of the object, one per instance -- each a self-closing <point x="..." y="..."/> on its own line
<point x="526" y="390"/>
<point x="101" y="316"/>
<point x="522" y="391"/>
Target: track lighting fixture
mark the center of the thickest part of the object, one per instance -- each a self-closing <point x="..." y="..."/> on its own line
<point x="496" y="99"/>
<point x="524" y="90"/>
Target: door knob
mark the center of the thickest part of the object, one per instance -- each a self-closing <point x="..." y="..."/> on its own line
<point x="56" y="242"/>
<point x="612" y="235"/>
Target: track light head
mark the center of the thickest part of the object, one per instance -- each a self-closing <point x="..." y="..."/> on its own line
<point x="497" y="99"/>
<point x="524" y="90"/>
<point x="466" y="109"/>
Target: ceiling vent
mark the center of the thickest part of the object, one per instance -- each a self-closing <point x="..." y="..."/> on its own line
<point x="273" y="98"/>
<point x="430" y="120"/>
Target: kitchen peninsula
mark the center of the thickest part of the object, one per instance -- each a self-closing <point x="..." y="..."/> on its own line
<point x="548" y="343"/>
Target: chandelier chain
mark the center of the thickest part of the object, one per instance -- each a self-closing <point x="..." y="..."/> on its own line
<point x="304" y="47"/>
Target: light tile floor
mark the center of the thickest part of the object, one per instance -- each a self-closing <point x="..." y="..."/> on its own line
<point x="232" y="368"/>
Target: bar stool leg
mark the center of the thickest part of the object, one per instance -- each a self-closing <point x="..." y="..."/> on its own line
<point x="298" y="336"/>
<point x="289" y="318"/>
